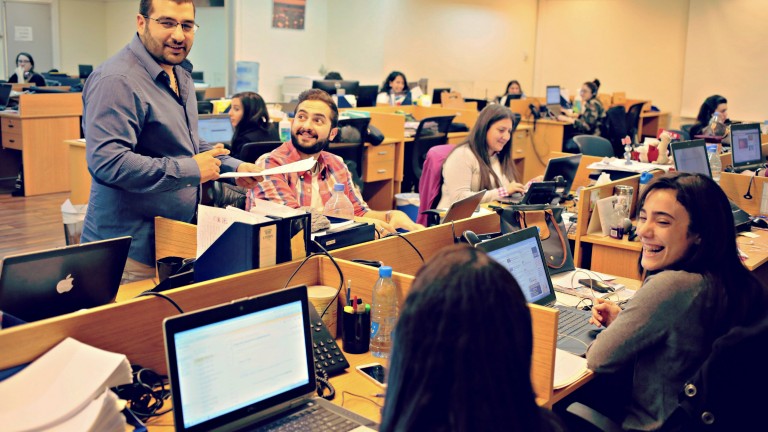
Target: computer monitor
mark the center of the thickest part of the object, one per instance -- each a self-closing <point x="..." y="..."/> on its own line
<point x="366" y="95"/>
<point x="437" y="95"/>
<point x="691" y="157"/>
<point x="85" y="70"/>
<point x="215" y="128"/>
<point x="553" y="99"/>
<point x="332" y="86"/>
<point x="745" y="146"/>
<point x="197" y="76"/>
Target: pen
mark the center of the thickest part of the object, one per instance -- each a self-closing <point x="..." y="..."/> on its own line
<point x="349" y="292"/>
<point x="354" y="304"/>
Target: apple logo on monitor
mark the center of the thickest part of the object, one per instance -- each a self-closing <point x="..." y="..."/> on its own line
<point x="65" y="284"/>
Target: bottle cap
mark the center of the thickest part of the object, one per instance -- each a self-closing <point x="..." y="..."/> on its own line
<point x="712" y="148"/>
<point x="338" y="187"/>
<point x="385" y="271"/>
<point x="645" y="177"/>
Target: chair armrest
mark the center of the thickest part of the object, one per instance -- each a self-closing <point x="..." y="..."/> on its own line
<point x="589" y="416"/>
<point x="433" y="216"/>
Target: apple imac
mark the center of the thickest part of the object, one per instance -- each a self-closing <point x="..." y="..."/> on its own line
<point x="45" y="284"/>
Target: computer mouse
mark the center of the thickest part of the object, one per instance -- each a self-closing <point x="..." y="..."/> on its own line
<point x="760" y="223"/>
<point x="594" y="332"/>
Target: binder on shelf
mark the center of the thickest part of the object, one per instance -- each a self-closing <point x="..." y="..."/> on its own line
<point x="244" y="247"/>
<point x="348" y="237"/>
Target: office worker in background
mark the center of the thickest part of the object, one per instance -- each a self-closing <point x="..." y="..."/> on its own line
<point x="25" y="68"/>
<point x="711" y="105"/>
<point x="483" y="161"/>
<point x="395" y="85"/>
<point x="333" y="76"/>
<point x="140" y="123"/>
<point x="461" y="356"/>
<point x="312" y="130"/>
<point x="250" y="120"/>
<point x="695" y="290"/>
<point x="513" y="91"/>
<point x="591" y="118"/>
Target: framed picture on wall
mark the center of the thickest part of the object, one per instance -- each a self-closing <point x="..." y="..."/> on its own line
<point x="288" y="14"/>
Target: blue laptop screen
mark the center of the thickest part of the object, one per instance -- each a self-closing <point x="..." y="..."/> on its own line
<point x="523" y="260"/>
<point x="234" y="363"/>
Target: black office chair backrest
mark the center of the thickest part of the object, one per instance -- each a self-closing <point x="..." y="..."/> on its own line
<point x="432" y="131"/>
<point x="633" y="118"/>
<point x="349" y="144"/>
<point x="204" y="107"/>
<point x="687" y="129"/>
<point x="614" y="127"/>
<point x="592" y="145"/>
<point x="251" y="151"/>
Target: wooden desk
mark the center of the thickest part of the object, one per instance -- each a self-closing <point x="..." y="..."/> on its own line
<point x="546" y="138"/>
<point x="79" y="177"/>
<point x="651" y="122"/>
<point x="42" y="122"/>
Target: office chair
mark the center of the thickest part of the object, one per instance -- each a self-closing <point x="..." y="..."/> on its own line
<point x="633" y="118"/>
<point x="592" y="145"/>
<point x="204" y="107"/>
<point x="431" y="183"/>
<point x="251" y="151"/>
<point x="687" y="129"/>
<point x="349" y="144"/>
<point x="432" y="131"/>
<point x="614" y="127"/>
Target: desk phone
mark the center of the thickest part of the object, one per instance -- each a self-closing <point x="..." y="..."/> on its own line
<point x="328" y="356"/>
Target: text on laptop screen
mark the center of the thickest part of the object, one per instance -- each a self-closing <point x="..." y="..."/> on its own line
<point x="692" y="160"/>
<point x="553" y="95"/>
<point x="522" y="259"/>
<point x="237" y="362"/>
<point x="215" y="129"/>
<point x="745" y="145"/>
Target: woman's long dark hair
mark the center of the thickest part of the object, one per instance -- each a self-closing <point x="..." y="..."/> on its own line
<point x="31" y="61"/>
<point x="464" y="331"/>
<point x="476" y="140"/>
<point x="506" y="89"/>
<point x="708" y="108"/>
<point x="386" y="87"/>
<point x="255" y="114"/>
<point x="735" y="290"/>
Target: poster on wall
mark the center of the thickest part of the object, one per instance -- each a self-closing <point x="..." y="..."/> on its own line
<point x="288" y="14"/>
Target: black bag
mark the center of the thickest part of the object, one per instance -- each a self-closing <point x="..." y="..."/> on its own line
<point x="554" y="237"/>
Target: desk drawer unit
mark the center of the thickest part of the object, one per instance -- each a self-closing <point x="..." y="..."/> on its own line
<point x="11" y="125"/>
<point x="520" y="144"/>
<point x="379" y="163"/>
<point x="12" y="140"/>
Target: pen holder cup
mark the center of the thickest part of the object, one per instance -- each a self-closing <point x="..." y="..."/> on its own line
<point x="356" y="332"/>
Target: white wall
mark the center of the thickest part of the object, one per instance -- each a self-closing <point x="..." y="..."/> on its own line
<point x="637" y="47"/>
<point x="79" y="21"/>
<point x="210" y="51"/>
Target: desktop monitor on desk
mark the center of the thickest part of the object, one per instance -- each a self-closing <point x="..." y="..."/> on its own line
<point x="85" y="71"/>
<point x="437" y="95"/>
<point x="215" y="128"/>
<point x="332" y="86"/>
<point x="366" y="96"/>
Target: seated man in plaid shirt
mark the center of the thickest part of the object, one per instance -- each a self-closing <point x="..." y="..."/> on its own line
<point x="313" y="128"/>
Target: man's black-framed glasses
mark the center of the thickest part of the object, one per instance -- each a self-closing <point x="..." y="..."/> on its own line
<point x="170" y="24"/>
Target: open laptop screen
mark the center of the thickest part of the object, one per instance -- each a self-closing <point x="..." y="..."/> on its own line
<point x="691" y="157"/>
<point x="520" y="253"/>
<point x="216" y="129"/>
<point x="232" y="361"/>
<point x="553" y="95"/>
<point x="745" y="144"/>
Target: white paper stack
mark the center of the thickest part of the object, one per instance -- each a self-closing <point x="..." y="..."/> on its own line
<point x="66" y="389"/>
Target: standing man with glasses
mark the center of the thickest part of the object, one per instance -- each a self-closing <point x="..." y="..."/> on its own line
<point x="142" y="145"/>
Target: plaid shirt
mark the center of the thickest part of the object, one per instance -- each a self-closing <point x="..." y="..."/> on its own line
<point x="283" y="188"/>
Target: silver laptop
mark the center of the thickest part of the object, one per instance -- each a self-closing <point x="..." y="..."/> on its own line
<point x="215" y="128"/>
<point x="463" y="208"/>
<point x="249" y="364"/>
<point x="44" y="284"/>
<point x="553" y="100"/>
<point x="745" y="147"/>
<point x="691" y="157"/>
<point x="521" y="253"/>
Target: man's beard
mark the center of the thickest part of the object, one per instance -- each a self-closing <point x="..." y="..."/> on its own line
<point x="320" y="145"/>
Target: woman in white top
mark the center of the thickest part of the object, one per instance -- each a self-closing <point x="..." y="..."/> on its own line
<point x="484" y="161"/>
<point x="394" y="90"/>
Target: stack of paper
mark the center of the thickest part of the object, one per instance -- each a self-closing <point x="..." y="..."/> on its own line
<point x="213" y="221"/>
<point x="569" y="368"/>
<point x="66" y="389"/>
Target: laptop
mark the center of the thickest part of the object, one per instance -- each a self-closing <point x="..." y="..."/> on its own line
<point x="553" y="100"/>
<point x="543" y="192"/>
<point x="463" y="208"/>
<point x="691" y="157"/>
<point x="248" y="364"/>
<point x="41" y="285"/>
<point x="745" y="147"/>
<point x="5" y="95"/>
<point x="215" y="128"/>
<point x="565" y="167"/>
<point x="521" y="253"/>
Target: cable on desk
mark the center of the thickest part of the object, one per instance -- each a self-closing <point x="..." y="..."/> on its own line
<point x="409" y="242"/>
<point x="345" y="392"/>
<point x="161" y="295"/>
<point x="341" y="274"/>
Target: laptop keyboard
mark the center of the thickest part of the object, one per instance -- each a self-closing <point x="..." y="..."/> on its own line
<point x="571" y="322"/>
<point x="313" y="418"/>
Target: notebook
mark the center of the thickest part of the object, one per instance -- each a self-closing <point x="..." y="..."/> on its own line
<point x="248" y="364"/>
<point x="521" y="253"/>
<point x="215" y="128"/>
<point x="563" y="166"/>
<point x="5" y="95"/>
<point x="44" y="284"/>
<point x="745" y="147"/>
<point x="463" y="208"/>
<point x="691" y="157"/>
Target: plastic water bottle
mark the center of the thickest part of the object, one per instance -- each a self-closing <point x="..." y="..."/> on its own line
<point x="715" y="165"/>
<point x="715" y="126"/>
<point x="339" y="206"/>
<point x="285" y="129"/>
<point x="384" y="313"/>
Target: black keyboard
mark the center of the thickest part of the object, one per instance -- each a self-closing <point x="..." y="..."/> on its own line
<point x="571" y="322"/>
<point x="313" y="418"/>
